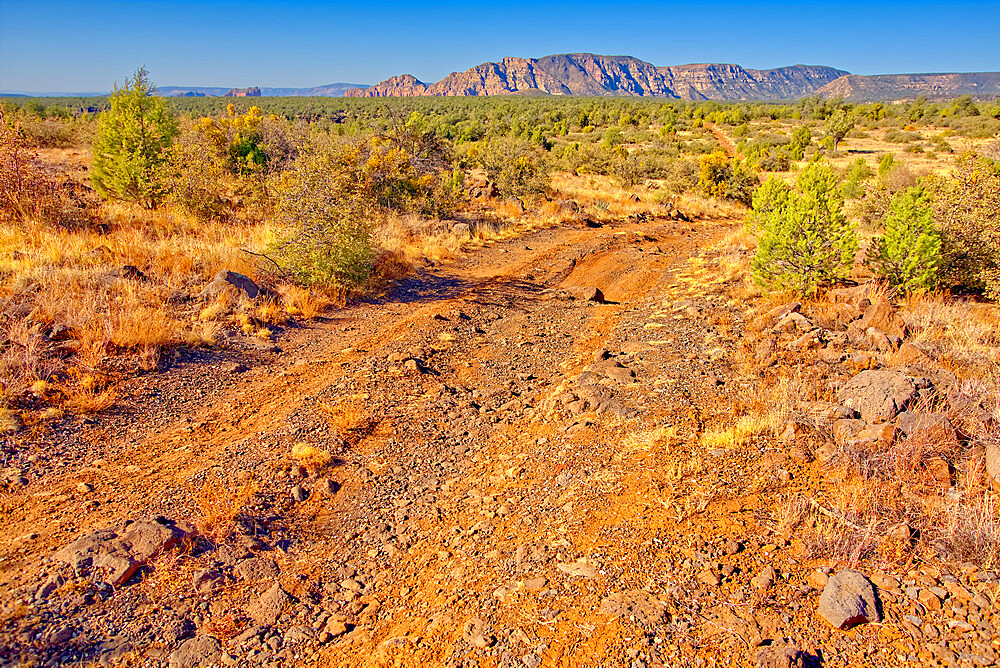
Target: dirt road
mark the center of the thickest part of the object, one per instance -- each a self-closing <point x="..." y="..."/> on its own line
<point x="517" y="480"/>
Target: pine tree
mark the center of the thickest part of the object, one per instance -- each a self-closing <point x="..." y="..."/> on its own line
<point x="808" y="240"/>
<point x="771" y="196"/>
<point x="908" y="255"/>
<point x="133" y="134"/>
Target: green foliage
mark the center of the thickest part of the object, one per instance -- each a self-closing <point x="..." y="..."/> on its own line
<point x="772" y="196"/>
<point x="908" y="255"/>
<point x="839" y="125"/>
<point x="885" y="165"/>
<point x="801" y="138"/>
<point x="808" y="240"/>
<point x="517" y="167"/>
<point x="967" y="212"/>
<point x="329" y="217"/>
<point x="718" y="176"/>
<point x="857" y="173"/>
<point x="130" y="148"/>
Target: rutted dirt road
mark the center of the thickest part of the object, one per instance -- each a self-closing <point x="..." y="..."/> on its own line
<point x="517" y="481"/>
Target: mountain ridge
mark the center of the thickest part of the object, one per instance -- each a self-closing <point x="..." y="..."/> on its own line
<point x="592" y="74"/>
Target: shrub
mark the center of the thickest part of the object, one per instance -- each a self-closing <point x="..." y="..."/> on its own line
<point x="902" y="136"/>
<point x="967" y="212"/>
<point x="132" y="136"/>
<point x="517" y="167"/>
<point x="718" y="176"/>
<point x="330" y="220"/>
<point x="839" y="125"/>
<point x="801" y="139"/>
<point x="808" y="240"/>
<point x="856" y="174"/>
<point x="25" y="193"/>
<point x="908" y="255"/>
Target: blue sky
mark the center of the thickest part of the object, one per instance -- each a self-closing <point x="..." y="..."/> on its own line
<point x="87" y="45"/>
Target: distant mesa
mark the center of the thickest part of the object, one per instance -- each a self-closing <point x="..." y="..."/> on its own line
<point x="590" y="74"/>
<point x="242" y="92"/>
<point x="594" y="75"/>
<point x="857" y="88"/>
<point x="328" y="90"/>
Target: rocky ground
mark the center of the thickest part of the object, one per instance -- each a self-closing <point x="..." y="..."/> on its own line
<point x="508" y="461"/>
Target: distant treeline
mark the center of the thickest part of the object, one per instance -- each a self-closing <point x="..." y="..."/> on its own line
<point x="471" y="118"/>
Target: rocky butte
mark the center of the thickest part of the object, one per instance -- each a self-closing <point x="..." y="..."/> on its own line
<point x="589" y="74"/>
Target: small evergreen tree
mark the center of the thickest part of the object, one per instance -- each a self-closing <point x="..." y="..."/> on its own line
<point x="908" y="255"/>
<point x="771" y="196"/>
<point x="839" y="125"/>
<point x="808" y="240"/>
<point x="130" y="148"/>
<point x="801" y="139"/>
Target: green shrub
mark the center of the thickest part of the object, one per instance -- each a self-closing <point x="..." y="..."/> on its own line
<point x="857" y="172"/>
<point x="902" y="136"/>
<point x="967" y="212"/>
<point x="801" y="139"/>
<point x="718" y="176"/>
<point x="517" y="167"/>
<point x="908" y="254"/>
<point x="329" y="221"/>
<point x="133" y="134"/>
<point x="808" y="240"/>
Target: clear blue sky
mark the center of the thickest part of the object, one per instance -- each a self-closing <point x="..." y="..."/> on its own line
<point x="48" y="45"/>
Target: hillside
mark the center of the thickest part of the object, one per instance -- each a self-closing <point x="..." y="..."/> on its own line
<point x="589" y="74"/>
<point x="858" y="88"/>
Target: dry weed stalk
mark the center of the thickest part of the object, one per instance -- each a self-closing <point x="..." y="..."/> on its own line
<point x="219" y="503"/>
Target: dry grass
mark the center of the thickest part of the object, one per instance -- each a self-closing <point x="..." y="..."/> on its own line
<point x="962" y="336"/>
<point x="745" y="429"/>
<point x="303" y="303"/>
<point x="348" y="416"/>
<point x="310" y="457"/>
<point x="219" y="502"/>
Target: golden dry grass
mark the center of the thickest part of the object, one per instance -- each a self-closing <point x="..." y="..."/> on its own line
<point x="219" y="502"/>
<point x="962" y="336"/>
<point x="310" y="457"/>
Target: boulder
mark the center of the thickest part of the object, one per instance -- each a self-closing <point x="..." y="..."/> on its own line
<point x="993" y="463"/>
<point x="931" y="428"/>
<point x="856" y="296"/>
<point x="226" y="278"/>
<point x="583" y="294"/>
<point x="266" y="609"/>
<point x="848" y="600"/>
<point x="779" y="312"/>
<point x="114" y="558"/>
<point x="793" y="322"/>
<point x="781" y="656"/>
<point x="197" y="651"/>
<point x="846" y="430"/>
<point x="883" y="317"/>
<point x="146" y="539"/>
<point x="878" y="395"/>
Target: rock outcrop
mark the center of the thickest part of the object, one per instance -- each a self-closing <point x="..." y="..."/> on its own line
<point x="243" y="92"/>
<point x="590" y="74"/>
